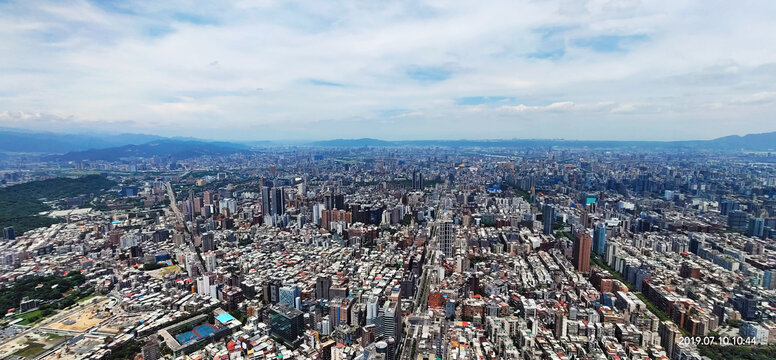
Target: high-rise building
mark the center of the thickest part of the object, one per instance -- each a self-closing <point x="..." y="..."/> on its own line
<point x="445" y="238"/>
<point x="334" y="201"/>
<point x="288" y="295"/>
<point x="271" y="291"/>
<point x="581" y="254"/>
<point x="208" y="241"/>
<point x="769" y="279"/>
<point x="738" y="220"/>
<point x="372" y="310"/>
<point x="192" y="263"/>
<point x="599" y="239"/>
<point x="339" y="201"/>
<point x="328" y="201"/>
<point x="369" y="333"/>
<point x="417" y="180"/>
<point x="8" y="233"/>
<point x="278" y="201"/>
<point x="548" y="217"/>
<point x="696" y="243"/>
<point x="322" y="285"/>
<point x="390" y="353"/>
<point x="286" y="324"/>
<point x="726" y="206"/>
<point x="391" y="320"/>
<point x="561" y="325"/>
<point x="265" y="205"/>
<point x="756" y="227"/>
<point x="338" y="291"/>
<point x="228" y="204"/>
<point x="669" y="337"/>
<point x="210" y="261"/>
<point x="317" y="212"/>
<point x="339" y="311"/>
<point x="151" y="349"/>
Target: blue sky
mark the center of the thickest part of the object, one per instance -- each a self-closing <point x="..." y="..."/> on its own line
<point x="250" y="70"/>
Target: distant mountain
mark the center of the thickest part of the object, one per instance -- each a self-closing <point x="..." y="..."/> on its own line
<point x="259" y="143"/>
<point x="355" y="142"/>
<point x="13" y="140"/>
<point x="761" y="142"/>
<point x="172" y="149"/>
<point x="752" y="142"/>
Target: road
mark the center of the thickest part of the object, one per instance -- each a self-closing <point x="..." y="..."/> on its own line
<point x="179" y="217"/>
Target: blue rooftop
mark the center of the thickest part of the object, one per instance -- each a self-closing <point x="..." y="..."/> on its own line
<point x="224" y="318"/>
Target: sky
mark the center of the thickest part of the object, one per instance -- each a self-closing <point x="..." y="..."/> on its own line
<point x="290" y="70"/>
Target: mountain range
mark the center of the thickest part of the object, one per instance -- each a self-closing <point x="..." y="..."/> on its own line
<point x="750" y="142"/>
<point x="111" y="147"/>
<point x="16" y="140"/>
<point x="166" y="148"/>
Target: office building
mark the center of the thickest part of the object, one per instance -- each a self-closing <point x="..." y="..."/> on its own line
<point x="278" y="201"/>
<point x="286" y="325"/>
<point x="581" y="253"/>
<point x="265" y="200"/>
<point x="548" y="218"/>
<point x="756" y="227"/>
<point x="417" y="180"/>
<point x="288" y="295"/>
<point x="391" y="320"/>
<point x="372" y="310"/>
<point x="8" y="233"/>
<point x="738" y="220"/>
<point x="322" y="285"/>
<point x="599" y="239"/>
<point x="446" y="237"/>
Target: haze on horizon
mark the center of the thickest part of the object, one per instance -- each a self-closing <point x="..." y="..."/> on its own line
<point x="616" y="70"/>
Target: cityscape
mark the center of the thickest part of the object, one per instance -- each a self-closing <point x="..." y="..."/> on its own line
<point x="337" y="251"/>
<point x="523" y="180"/>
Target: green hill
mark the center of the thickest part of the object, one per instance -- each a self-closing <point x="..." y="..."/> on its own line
<point x="20" y="204"/>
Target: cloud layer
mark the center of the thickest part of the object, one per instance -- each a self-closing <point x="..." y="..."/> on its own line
<point x="655" y="70"/>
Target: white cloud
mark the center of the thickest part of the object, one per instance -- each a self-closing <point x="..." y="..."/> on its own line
<point x="562" y="106"/>
<point x="171" y="108"/>
<point x="762" y="97"/>
<point x="154" y="65"/>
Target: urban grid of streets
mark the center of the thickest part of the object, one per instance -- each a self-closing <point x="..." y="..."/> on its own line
<point x="400" y="253"/>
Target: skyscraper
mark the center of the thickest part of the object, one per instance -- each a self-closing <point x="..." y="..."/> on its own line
<point x="328" y="201"/>
<point x="769" y="279"/>
<point x="599" y="239"/>
<point x="278" y="201"/>
<point x="286" y="324"/>
<point x="288" y="295"/>
<point x="339" y="311"/>
<point x="726" y="206"/>
<point x="561" y="325"/>
<point x="265" y="206"/>
<point x="581" y="254"/>
<point x="669" y="337"/>
<point x="151" y="349"/>
<point x="322" y="285"/>
<point x="372" y="310"/>
<point x="548" y="216"/>
<point x="445" y="238"/>
<point x="738" y="220"/>
<point x="8" y="233"/>
<point x="756" y="227"/>
<point x="417" y="180"/>
<point x="339" y="201"/>
<point x="391" y="324"/>
<point x="210" y="261"/>
<point x="208" y="241"/>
